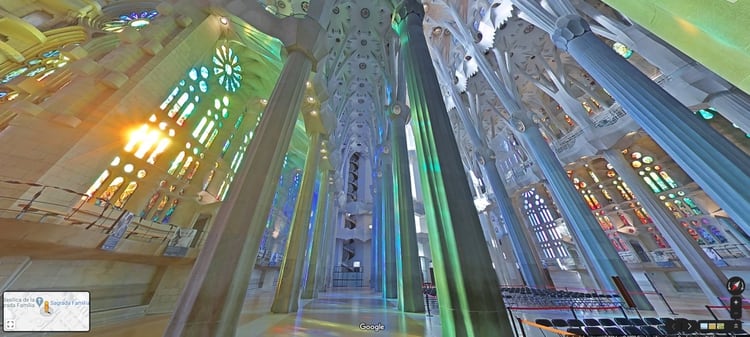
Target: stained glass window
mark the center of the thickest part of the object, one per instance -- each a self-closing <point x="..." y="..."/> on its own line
<point x="129" y="190"/>
<point x="170" y="211"/>
<point x="151" y="203"/>
<point x="227" y="68"/>
<point x="543" y="224"/>
<point x="110" y="191"/>
<point x="623" y="50"/>
<point x="97" y="184"/>
<point x="136" y="20"/>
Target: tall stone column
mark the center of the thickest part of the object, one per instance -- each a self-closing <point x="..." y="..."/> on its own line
<point x="704" y="271"/>
<point x="334" y="224"/>
<point x="290" y="275"/>
<point x="601" y="257"/>
<point x="525" y="252"/>
<point x="320" y="229"/>
<point x="388" y="227"/>
<point x="715" y="163"/>
<point x="468" y="291"/>
<point x="409" y="271"/>
<point x="495" y="254"/>
<point x="526" y="255"/>
<point x="211" y="301"/>
<point x="376" y="279"/>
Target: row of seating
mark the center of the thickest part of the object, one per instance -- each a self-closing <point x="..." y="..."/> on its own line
<point x="648" y="330"/>
<point x="617" y="321"/>
<point x="548" y="297"/>
<point x="618" y="326"/>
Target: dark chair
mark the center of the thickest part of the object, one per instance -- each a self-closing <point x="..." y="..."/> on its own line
<point x="614" y="331"/>
<point x="607" y="322"/>
<point x="559" y="323"/>
<point x="591" y="322"/>
<point x="652" y="331"/>
<point x="653" y="321"/>
<point x="622" y="321"/>
<point x="595" y="331"/>
<point x="638" y="322"/>
<point x="666" y="320"/>
<point x="632" y="331"/>
<point x="577" y="331"/>
<point x="543" y="321"/>
<point x="575" y="323"/>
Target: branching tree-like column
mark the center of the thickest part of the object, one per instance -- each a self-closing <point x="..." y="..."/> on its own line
<point x="554" y="82"/>
<point x="211" y="301"/>
<point x="530" y="268"/>
<point x="731" y="102"/>
<point x="714" y="162"/>
<point x="600" y="256"/>
<point x="467" y="288"/>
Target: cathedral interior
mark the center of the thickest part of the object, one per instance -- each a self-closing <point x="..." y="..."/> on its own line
<point x="358" y="167"/>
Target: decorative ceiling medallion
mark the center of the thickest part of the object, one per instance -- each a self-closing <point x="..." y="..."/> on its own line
<point x="281" y="4"/>
<point x="336" y="10"/>
<point x="365" y="13"/>
<point x="305" y="6"/>
<point x="363" y="66"/>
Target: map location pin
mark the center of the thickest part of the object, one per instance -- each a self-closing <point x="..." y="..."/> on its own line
<point x="39" y="301"/>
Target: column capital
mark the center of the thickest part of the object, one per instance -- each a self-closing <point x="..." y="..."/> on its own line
<point x="304" y="35"/>
<point x="399" y="111"/>
<point x="406" y="8"/>
<point x="567" y="28"/>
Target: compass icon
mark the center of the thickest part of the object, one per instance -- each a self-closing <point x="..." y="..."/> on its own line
<point x="736" y="285"/>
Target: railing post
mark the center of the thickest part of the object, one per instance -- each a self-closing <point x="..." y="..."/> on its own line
<point x="28" y="205"/>
<point x="427" y="303"/>
<point x="711" y="312"/>
<point x="512" y="321"/>
<point x="666" y="303"/>
<point x="520" y="323"/>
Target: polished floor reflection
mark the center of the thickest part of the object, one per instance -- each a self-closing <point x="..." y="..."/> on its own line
<point x="357" y="312"/>
<point x="353" y="312"/>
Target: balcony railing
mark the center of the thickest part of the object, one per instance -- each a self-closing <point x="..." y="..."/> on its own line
<point x="41" y="207"/>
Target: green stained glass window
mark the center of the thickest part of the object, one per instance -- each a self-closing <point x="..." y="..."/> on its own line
<point x="239" y="121"/>
<point x="186" y="114"/>
<point x="227" y="68"/>
<point x="226" y="147"/>
<point x="211" y="139"/>
<point x="199" y="127"/>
